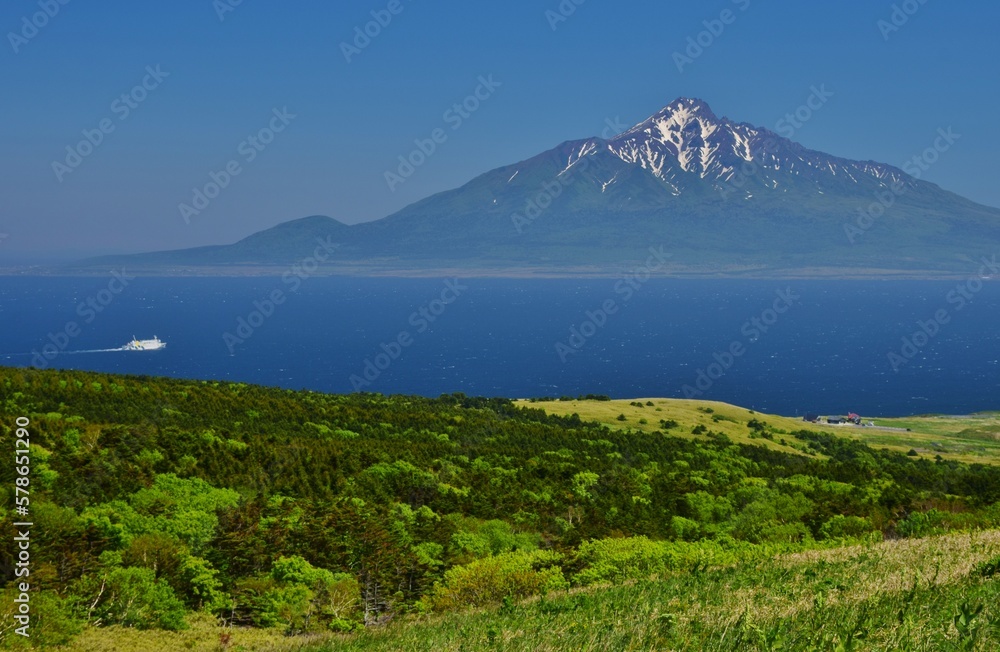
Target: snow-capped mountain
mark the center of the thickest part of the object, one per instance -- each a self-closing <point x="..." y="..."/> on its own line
<point x="687" y="141"/>
<point x="682" y="160"/>
<point x="721" y="196"/>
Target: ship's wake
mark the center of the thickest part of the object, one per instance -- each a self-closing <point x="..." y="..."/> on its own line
<point x="120" y="348"/>
<point x="14" y="355"/>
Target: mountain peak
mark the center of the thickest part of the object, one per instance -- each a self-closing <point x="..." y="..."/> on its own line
<point x="684" y="115"/>
<point x="685" y="132"/>
<point x="690" y="104"/>
<point x="682" y="111"/>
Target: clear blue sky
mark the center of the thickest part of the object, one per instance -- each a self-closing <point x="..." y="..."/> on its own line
<point x="606" y="61"/>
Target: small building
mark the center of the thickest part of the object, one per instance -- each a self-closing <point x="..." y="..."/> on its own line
<point x="811" y="418"/>
<point x="836" y="421"/>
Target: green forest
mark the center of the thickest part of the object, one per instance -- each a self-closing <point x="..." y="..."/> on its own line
<point x="159" y="505"/>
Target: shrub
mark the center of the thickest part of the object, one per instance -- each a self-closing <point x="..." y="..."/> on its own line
<point x="615" y="560"/>
<point x="684" y="528"/>
<point x="921" y="524"/>
<point x="771" y="516"/>
<point x="305" y="592"/>
<point x="988" y="568"/>
<point x="132" y="597"/>
<point x="476" y="538"/>
<point x="202" y="588"/>
<point x="845" y="527"/>
<point x="51" y="621"/>
<point x="706" y="508"/>
<point x="513" y="575"/>
<point x="719" y="436"/>
<point x="300" y="597"/>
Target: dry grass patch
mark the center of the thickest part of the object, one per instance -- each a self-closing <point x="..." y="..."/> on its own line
<point x="205" y="635"/>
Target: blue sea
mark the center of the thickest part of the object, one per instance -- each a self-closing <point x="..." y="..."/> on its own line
<point x="884" y="348"/>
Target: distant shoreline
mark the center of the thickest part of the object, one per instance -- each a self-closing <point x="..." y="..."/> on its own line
<point x="242" y="271"/>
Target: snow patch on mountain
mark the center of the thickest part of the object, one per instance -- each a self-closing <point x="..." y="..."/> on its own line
<point x="686" y="143"/>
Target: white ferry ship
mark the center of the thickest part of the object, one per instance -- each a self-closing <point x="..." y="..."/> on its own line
<point x="145" y="345"/>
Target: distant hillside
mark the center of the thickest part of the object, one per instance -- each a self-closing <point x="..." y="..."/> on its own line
<point x="720" y="197"/>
